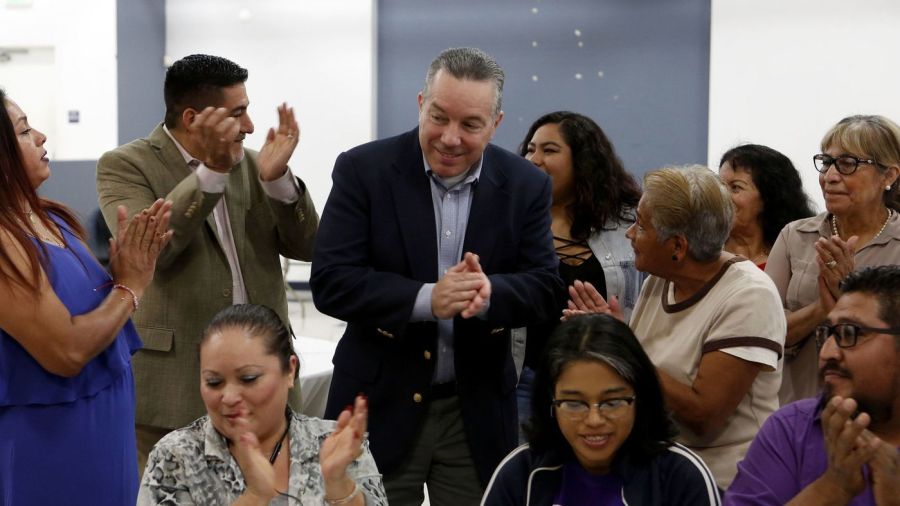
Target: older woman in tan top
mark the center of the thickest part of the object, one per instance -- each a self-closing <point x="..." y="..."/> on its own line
<point x="710" y="321"/>
<point x="859" y="166"/>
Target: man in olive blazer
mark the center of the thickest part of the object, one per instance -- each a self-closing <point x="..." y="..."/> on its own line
<point x="194" y="276"/>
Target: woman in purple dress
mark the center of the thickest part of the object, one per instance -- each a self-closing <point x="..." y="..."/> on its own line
<point x="66" y="390"/>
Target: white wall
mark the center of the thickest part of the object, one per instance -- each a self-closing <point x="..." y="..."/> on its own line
<point x="74" y="69"/>
<point x="318" y="55"/>
<point x="782" y="72"/>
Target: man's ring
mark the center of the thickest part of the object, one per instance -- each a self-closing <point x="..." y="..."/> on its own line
<point x="831" y="264"/>
<point x="290" y="136"/>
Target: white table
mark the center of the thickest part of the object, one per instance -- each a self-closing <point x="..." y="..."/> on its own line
<point x="315" y="373"/>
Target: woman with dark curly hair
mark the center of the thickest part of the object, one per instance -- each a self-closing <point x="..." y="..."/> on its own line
<point x="600" y="432"/>
<point x="593" y="204"/>
<point x="767" y="194"/>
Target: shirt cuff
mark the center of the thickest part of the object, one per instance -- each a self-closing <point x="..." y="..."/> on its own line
<point x="482" y="315"/>
<point x="422" y="309"/>
<point x="284" y="189"/>
<point x="210" y="181"/>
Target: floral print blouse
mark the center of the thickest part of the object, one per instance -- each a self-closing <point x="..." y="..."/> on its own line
<point x="192" y="466"/>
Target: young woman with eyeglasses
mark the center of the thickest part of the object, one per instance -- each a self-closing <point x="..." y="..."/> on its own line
<point x="858" y="171"/>
<point x="599" y="431"/>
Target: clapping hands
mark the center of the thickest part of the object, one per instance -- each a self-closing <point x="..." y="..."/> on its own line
<point x="851" y="446"/>
<point x="138" y="243"/>
<point x="280" y="145"/>
<point x="834" y="257"/>
<point x="464" y="289"/>
<point x="218" y="137"/>
<point x="585" y="299"/>
<point x="259" y="473"/>
<point x="342" y="447"/>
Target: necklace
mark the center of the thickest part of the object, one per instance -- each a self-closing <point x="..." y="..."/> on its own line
<point x="834" y="226"/>
<point x="43" y="233"/>
<point x="762" y="255"/>
<point x="277" y="448"/>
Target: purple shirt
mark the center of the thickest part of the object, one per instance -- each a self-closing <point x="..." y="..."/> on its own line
<point x="786" y="456"/>
<point x="581" y="487"/>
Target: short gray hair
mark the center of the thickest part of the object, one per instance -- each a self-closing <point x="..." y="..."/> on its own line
<point x="692" y="202"/>
<point x="471" y="64"/>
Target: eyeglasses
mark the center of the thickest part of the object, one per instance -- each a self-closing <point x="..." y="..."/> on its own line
<point x="610" y="409"/>
<point x="845" y="164"/>
<point x="847" y="334"/>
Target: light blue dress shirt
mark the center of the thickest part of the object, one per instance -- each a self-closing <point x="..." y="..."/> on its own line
<point x="452" y="200"/>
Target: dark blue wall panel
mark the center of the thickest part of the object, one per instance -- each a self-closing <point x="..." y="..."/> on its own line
<point x="72" y="182"/>
<point x="640" y="68"/>
<point x="141" y="35"/>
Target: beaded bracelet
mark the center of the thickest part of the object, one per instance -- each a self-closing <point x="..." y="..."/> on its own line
<point x="345" y="500"/>
<point x="134" y="299"/>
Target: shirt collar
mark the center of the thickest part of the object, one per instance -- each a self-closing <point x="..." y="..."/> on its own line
<point x="187" y="156"/>
<point x="472" y="174"/>
<point x="214" y="444"/>
<point x="821" y="223"/>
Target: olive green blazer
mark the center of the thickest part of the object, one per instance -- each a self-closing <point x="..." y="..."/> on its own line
<point x="193" y="281"/>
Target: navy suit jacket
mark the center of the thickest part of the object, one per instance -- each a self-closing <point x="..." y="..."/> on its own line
<point x="377" y="245"/>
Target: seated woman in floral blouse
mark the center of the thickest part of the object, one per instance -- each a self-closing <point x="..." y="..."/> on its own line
<point x="251" y="449"/>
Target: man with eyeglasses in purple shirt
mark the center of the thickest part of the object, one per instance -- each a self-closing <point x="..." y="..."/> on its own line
<point x="840" y="448"/>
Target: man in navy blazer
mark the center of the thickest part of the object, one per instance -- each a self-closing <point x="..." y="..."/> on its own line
<point x="432" y="246"/>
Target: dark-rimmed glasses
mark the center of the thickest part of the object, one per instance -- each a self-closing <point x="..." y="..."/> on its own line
<point x="574" y="409"/>
<point x="845" y="164"/>
<point x="847" y="334"/>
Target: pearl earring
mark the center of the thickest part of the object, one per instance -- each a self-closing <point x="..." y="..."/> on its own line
<point x="887" y="187"/>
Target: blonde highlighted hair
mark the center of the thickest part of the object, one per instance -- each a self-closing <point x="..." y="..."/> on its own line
<point x="869" y="136"/>
<point x="690" y="201"/>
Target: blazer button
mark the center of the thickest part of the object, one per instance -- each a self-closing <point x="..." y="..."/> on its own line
<point x="417" y="397"/>
<point x="226" y="292"/>
<point x="427" y="355"/>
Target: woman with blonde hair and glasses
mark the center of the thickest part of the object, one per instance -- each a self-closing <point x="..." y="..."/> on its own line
<point x="858" y="170"/>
